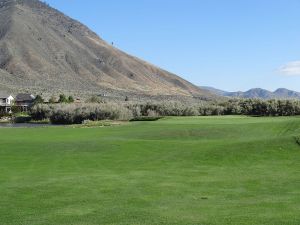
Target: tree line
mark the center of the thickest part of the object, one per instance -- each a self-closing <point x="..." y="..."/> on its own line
<point x="61" y="99"/>
<point x="258" y="107"/>
<point x="98" y="110"/>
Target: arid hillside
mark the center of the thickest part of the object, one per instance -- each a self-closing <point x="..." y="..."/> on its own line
<point x="43" y="50"/>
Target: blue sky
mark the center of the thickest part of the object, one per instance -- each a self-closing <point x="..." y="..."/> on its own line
<point x="232" y="44"/>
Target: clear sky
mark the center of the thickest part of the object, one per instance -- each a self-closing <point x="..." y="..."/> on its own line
<point x="231" y="45"/>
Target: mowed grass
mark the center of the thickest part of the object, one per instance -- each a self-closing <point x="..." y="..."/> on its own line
<point x="194" y="171"/>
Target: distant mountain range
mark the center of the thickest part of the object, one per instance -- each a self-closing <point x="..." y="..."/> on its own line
<point x="281" y="93"/>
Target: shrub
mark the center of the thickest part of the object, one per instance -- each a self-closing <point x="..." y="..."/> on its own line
<point x="76" y="114"/>
<point x="3" y="113"/>
<point x="62" y="99"/>
<point x="71" y="99"/>
<point x="22" y="119"/>
<point x="52" y="100"/>
<point x="41" y="112"/>
<point x="38" y="100"/>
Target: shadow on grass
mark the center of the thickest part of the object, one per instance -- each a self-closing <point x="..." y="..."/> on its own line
<point x="145" y="118"/>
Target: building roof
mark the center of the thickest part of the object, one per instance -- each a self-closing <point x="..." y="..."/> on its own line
<point x="24" y="97"/>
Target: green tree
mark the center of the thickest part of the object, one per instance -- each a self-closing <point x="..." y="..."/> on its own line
<point x="70" y="99"/>
<point x="62" y="99"/>
<point x="38" y="100"/>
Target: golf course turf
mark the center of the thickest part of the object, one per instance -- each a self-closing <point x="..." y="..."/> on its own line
<point x="189" y="171"/>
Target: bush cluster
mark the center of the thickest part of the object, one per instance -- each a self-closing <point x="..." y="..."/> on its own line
<point x="153" y="109"/>
<point x="22" y="119"/>
<point x="3" y="113"/>
<point x="258" y="107"/>
<point x="254" y="107"/>
<point x="77" y="113"/>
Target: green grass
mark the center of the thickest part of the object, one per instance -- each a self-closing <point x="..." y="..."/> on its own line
<point x="191" y="171"/>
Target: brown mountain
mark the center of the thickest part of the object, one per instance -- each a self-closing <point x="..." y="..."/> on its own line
<point x="43" y="50"/>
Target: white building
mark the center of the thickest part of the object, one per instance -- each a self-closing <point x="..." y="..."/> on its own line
<point x="6" y="102"/>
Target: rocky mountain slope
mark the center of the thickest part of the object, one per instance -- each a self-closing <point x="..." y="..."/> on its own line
<point x="43" y="50"/>
<point x="281" y="93"/>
